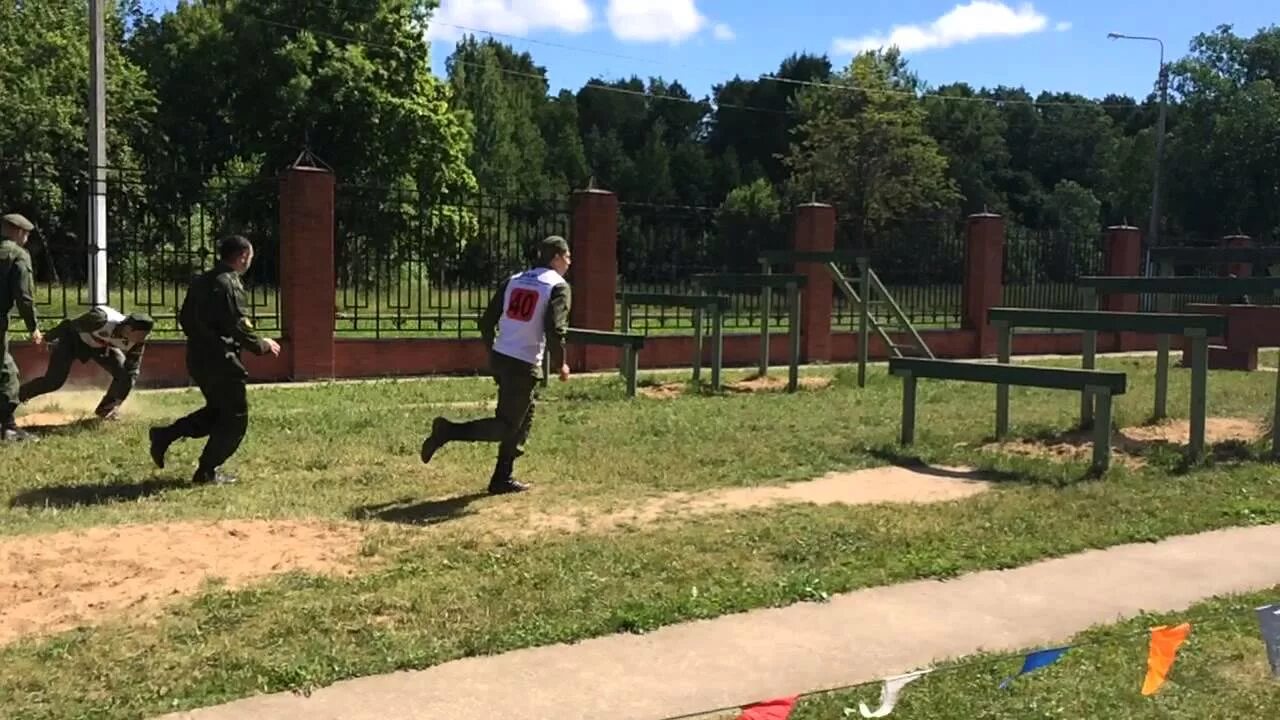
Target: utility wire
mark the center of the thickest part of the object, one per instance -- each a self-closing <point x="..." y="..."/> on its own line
<point x="712" y="102"/>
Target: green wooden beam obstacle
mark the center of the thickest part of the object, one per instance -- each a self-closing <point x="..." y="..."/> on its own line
<point x="1101" y="384"/>
<point x="766" y="282"/>
<point x="701" y="305"/>
<point x="1196" y="327"/>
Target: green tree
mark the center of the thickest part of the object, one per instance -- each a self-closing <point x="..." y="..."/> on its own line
<point x="971" y="135"/>
<point x="502" y="95"/>
<point x="867" y="150"/>
<point x="750" y="220"/>
<point x="566" y="158"/>
<point x="352" y="81"/>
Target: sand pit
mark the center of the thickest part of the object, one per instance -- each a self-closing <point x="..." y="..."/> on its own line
<point x="663" y="391"/>
<point x="56" y="582"/>
<point x="1130" y="444"/>
<point x="883" y="485"/>
<point x="51" y="419"/>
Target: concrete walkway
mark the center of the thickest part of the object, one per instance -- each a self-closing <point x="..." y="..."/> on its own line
<point x="858" y="637"/>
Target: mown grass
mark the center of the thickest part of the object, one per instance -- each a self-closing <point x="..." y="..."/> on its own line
<point x="1221" y="673"/>
<point x="453" y="588"/>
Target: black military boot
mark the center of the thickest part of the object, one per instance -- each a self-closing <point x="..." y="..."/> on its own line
<point x="161" y="439"/>
<point x="9" y="430"/>
<point x="502" y="483"/>
<point x="213" y="476"/>
<point x="441" y="432"/>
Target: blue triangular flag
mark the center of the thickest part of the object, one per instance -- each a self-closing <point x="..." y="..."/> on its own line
<point x="1035" y="661"/>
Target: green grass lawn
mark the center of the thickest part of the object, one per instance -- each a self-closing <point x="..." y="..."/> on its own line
<point x="1220" y="673"/>
<point x="456" y="586"/>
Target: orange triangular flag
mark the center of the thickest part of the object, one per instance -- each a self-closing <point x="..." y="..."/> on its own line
<point x="1165" y="642"/>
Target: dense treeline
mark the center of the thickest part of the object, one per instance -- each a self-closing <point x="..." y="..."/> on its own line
<point x="239" y="87"/>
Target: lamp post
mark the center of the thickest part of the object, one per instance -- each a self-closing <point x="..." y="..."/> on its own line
<point x="1153" y="230"/>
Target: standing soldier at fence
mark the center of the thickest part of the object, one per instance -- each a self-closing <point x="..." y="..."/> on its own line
<point x="217" y="327"/>
<point x="15" y="289"/>
<point x="105" y="336"/>
<point x="526" y="310"/>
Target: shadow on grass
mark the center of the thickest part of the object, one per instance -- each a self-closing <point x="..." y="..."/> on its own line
<point x="431" y="512"/>
<point x="896" y="455"/>
<point x="70" y="428"/>
<point x="69" y="496"/>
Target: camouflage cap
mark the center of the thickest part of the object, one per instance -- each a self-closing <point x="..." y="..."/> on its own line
<point x="17" y="221"/>
<point x="551" y="246"/>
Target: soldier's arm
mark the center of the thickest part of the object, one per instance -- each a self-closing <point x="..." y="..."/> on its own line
<point x="232" y="319"/>
<point x="557" y="323"/>
<point x="133" y="358"/>
<point x="489" y="320"/>
<point x="22" y="293"/>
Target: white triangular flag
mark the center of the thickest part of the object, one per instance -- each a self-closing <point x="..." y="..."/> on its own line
<point x="889" y="694"/>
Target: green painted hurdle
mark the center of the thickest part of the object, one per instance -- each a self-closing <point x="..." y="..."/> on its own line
<point x="716" y="305"/>
<point x="766" y="283"/>
<point x="1198" y="328"/>
<point x="1163" y="287"/>
<point x="630" y="343"/>
<point x="1103" y="385"/>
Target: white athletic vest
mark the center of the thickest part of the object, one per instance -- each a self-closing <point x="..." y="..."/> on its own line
<point x="522" y="327"/>
<point x="102" y="337"/>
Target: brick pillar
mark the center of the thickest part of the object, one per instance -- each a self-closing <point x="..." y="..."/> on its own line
<point x="1124" y="258"/>
<point x="983" y="278"/>
<point x="594" y="274"/>
<point x="1238" y="241"/>
<point x="815" y="231"/>
<point x="307" y="280"/>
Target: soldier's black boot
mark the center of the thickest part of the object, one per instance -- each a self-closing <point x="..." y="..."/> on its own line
<point x="161" y="439"/>
<point x="441" y="433"/>
<point x="9" y="430"/>
<point x="212" y="476"/>
<point x="502" y="483"/>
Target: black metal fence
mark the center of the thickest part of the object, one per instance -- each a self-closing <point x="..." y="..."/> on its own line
<point x="162" y="229"/>
<point x="661" y="248"/>
<point x="921" y="264"/>
<point x="412" y="264"/>
<point x="1041" y="267"/>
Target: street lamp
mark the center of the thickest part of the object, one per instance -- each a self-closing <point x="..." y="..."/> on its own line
<point x="1153" y="231"/>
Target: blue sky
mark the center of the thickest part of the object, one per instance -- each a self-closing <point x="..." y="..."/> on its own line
<point x="1048" y="44"/>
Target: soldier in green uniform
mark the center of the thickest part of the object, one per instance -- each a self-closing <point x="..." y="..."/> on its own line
<point x="15" y="289"/>
<point x="529" y="308"/>
<point x="217" y="327"/>
<point x="107" y="337"/>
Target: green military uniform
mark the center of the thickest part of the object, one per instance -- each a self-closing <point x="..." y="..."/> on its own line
<point x="217" y="327"/>
<point x="517" y="378"/>
<point x="98" y="336"/>
<point x="15" y="290"/>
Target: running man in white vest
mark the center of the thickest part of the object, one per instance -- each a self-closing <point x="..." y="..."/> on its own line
<point x="105" y="336"/>
<point x="528" y="309"/>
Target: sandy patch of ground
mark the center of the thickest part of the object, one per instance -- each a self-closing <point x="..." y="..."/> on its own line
<point x="776" y="383"/>
<point x="1129" y="444"/>
<point x="767" y="384"/>
<point x="883" y="485"/>
<point x="663" y="391"/>
<point x="51" y="419"/>
<point x="60" y="581"/>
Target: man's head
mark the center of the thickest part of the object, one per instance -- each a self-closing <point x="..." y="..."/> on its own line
<point x="137" y="326"/>
<point x="553" y="252"/>
<point x="237" y="252"/>
<point x="16" y="228"/>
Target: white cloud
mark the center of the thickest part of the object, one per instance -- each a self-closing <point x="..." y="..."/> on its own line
<point x="722" y="31"/>
<point x="963" y="24"/>
<point x="508" y="17"/>
<point x="1063" y="26"/>
<point x="672" y="21"/>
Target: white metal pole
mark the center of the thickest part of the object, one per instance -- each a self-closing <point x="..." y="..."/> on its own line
<point x="97" y="248"/>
